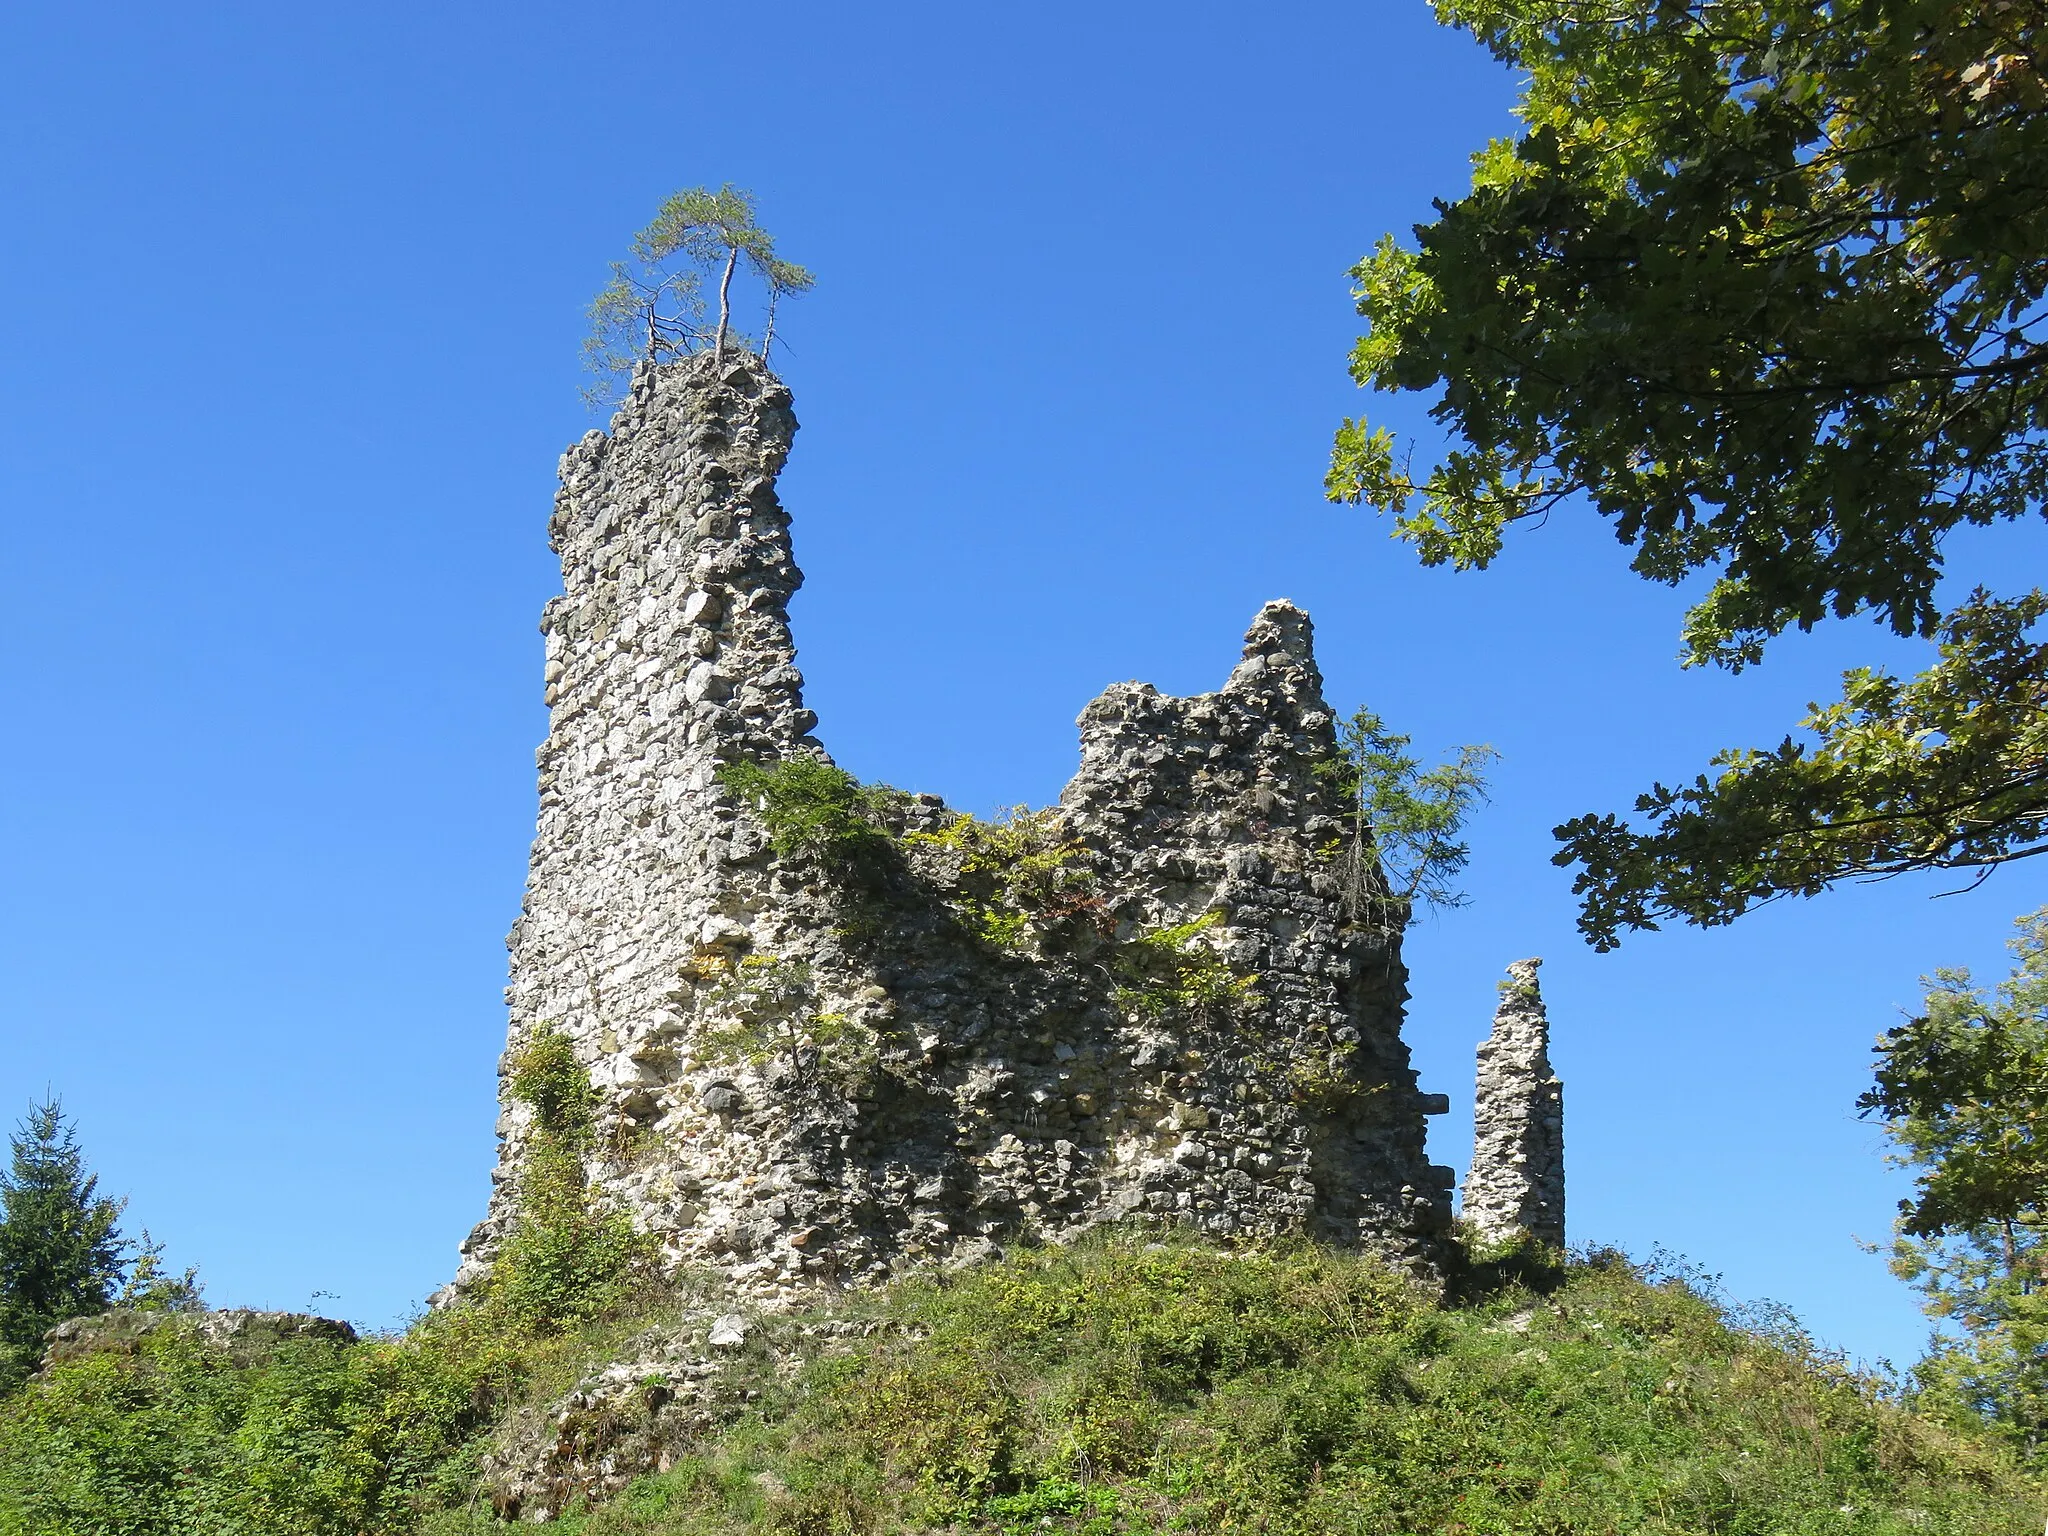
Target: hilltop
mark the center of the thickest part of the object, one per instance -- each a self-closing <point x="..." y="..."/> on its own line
<point x="1124" y="1385"/>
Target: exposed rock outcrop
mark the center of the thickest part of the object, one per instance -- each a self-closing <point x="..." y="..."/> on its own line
<point x="672" y="1386"/>
<point x="245" y="1333"/>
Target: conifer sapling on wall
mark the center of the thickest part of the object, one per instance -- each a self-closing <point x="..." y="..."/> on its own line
<point x="653" y="307"/>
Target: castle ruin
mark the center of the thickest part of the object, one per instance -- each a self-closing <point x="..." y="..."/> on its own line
<point x="1515" y="1186"/>
<point x="808" y="1074"/>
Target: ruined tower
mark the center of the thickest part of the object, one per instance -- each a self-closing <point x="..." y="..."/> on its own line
<point x="812" y="1073"/>
<point x="1516" y="1182"/>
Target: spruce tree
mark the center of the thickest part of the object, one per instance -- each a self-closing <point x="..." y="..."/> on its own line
<point x="61" y="1251"/>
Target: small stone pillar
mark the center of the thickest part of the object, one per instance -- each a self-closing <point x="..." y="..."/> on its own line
<point x="1516" y="1184"/>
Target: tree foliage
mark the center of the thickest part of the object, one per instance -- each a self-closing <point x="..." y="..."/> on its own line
<point x="654" y="306"/>
<point x="1946" y="770"/>
<point x="1761" y="281"/>
<point x="1987" y="1363"/>
<point x="1963" y="1092"/>
<point x="61" y="1250"/>
<point x="1402" y="845"/>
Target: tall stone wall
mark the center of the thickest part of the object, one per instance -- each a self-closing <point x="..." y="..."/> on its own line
<point x="806" y="1077"/>
<point x="1516" y="1182"/>
<point x="1215" y="804"/>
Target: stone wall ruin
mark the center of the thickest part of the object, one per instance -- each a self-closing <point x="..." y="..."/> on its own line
<point x="1516" y="1183"/>
<point x="807" y="1078"/>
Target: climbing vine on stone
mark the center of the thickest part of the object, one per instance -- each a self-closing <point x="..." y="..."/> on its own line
<point x="761" y="1007"/>
<point x="566" y="1258"/>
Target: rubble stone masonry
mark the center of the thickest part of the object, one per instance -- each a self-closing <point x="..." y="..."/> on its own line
<point x="805" y="1081"/>
<point x="1516" y="1182"/>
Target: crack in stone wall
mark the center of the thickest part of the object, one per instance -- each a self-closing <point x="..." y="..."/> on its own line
<point x="1516" y="1182"/>
<point x="989" y="1092"/>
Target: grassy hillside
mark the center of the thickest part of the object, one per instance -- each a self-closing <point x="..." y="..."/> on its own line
<point x="1121" y="1387"/>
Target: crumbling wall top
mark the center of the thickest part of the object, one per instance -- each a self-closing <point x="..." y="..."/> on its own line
<point x="1516" y="1182"/>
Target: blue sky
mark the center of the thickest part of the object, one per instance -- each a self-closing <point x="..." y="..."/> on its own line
<point x="288" y="349"/>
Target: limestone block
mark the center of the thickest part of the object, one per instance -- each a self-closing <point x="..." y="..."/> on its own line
<point x="706" y="682"/>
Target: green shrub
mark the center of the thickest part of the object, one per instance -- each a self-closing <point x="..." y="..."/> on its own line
<point x="1127" y="1386"/>
<point x="564" y="1260"/>
<point x="811" y="807"/>
<point x="316" y="1439"/>
<point x="568" y="1258"/>
<point x="310" y="1438"/>
<point x="1119" y="1387"/>
<point x="1015" y="872"/>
